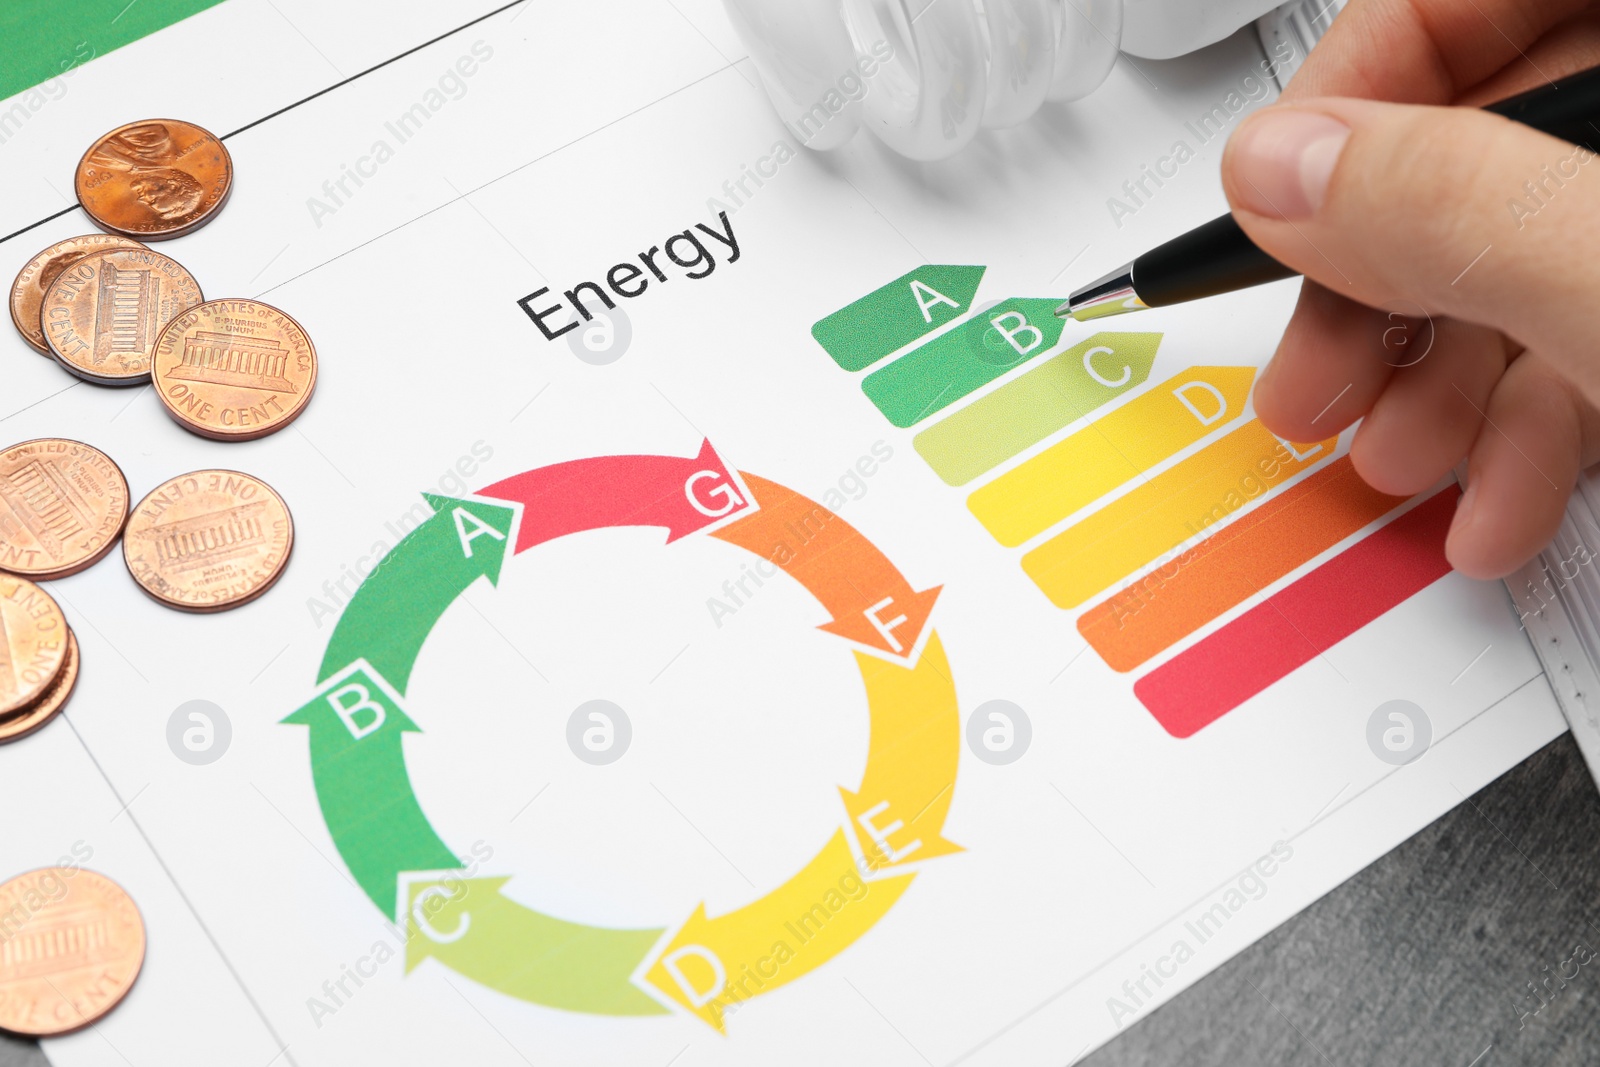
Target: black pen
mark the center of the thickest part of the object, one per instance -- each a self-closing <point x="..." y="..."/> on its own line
<point x="1218" y="257"/>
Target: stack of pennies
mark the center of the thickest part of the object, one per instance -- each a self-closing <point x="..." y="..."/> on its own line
<point x="204" y="542"/>
<point x="112" y="311"/>
<point x="63" y="505"/>
<point x="38" y="658"/>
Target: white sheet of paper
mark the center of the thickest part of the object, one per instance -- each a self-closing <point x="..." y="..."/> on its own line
<point x="586" y="134"/>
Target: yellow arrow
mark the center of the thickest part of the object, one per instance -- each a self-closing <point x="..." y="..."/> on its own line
<point x="899" y="810"/>
<point x="1081" y="468"/>
<point x="713" y="966"/>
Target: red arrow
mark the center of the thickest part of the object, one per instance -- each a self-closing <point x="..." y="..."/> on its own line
<point x="684" y="494"/>
<point x="870" y="602"/>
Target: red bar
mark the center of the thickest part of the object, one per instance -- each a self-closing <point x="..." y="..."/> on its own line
<point x="1300" y="622"/>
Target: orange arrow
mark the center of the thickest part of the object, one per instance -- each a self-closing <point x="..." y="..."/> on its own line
<point x="870" y="602"/>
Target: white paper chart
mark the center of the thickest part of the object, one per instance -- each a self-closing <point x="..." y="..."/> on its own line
<point x="731" y="620"/>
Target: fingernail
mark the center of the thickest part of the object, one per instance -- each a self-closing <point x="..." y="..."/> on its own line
<point x="1283" y="159"/>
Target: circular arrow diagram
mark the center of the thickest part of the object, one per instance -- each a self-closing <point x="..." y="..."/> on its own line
<point x="709" y="964"/>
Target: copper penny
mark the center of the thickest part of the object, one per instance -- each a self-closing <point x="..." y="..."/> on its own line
<point x="33" y="642"/>
<point x="103" y="315"/>
<point x="234" y="370"/>
<point x="62" y="506"/>
<point x="209" y="541"/>
<point x="43" y="711"/>
<point x="155" y="179"/>
<point x="27" y="292"/>
<point x="71" y="947"/>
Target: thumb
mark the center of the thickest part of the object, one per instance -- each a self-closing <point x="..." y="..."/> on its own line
<point x="1466" y="213"/>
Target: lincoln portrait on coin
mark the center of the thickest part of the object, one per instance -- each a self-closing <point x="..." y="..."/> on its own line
<point x="169" y="192"/>
<point x="146" y="153"/>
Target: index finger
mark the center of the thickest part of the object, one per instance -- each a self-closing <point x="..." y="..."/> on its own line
<point x="1424" y="51"/>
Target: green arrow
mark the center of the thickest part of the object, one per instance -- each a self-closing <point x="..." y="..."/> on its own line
<point x="399" y="603"/>
<point x="358" y="764"/>
<point x="471" y="927"/>
<point x="947" y="368"/>
<point x="1026" y="410"/>
<point x="914" y="304"/>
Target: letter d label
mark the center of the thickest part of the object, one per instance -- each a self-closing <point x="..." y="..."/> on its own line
<point x="699" y="998"/>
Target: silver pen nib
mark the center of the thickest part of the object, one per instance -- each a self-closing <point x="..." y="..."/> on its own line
<point x="1112" y="295"/>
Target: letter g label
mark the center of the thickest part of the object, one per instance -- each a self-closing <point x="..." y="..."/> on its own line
<point x="719" y="500"/>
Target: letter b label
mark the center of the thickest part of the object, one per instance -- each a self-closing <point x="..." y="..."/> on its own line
<point x="1018" y="332"/>
<point x="354" y="705"/>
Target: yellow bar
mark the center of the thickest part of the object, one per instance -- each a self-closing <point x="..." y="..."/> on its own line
<point x="1138" y="528"/>
<point x="1083" y="467"/>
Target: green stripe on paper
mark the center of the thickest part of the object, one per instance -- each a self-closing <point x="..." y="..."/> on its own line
<point x="43" y="39"/>
<point x="954" y="364"/>
<point x="1021" y="413"/>
<point x="892" y="316"/>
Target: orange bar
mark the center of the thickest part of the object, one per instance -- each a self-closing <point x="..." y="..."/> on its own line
<point x="1185" y="593"/>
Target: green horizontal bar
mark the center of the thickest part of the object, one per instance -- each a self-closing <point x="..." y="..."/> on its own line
<point x="939" y="373"/>
<point x="892" y="316"/>
<point x="42" y="40"/>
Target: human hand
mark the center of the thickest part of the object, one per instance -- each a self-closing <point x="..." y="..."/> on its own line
<point x="1390" y="203"/>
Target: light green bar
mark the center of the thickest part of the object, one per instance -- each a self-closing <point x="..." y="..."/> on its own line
<point x="1023" y="412"/>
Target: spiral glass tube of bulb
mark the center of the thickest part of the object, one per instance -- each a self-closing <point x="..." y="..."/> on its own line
<point x="923" y="76"/>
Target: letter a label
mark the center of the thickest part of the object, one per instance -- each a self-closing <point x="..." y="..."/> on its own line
<point x="928" y="298"/>
<point x="469" y="528"/>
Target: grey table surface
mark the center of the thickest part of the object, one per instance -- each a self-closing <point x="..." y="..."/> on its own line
<point x="1425" y="957"/>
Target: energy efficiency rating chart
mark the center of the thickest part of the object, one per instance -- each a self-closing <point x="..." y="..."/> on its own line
<point x="1172" y="506"/>
<point x="891" y="821"/>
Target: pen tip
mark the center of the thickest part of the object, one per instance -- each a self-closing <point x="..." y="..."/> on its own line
<point x="1113" y="294"/>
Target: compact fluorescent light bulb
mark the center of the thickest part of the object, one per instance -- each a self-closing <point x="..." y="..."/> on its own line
<point x="925" y="75"/>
